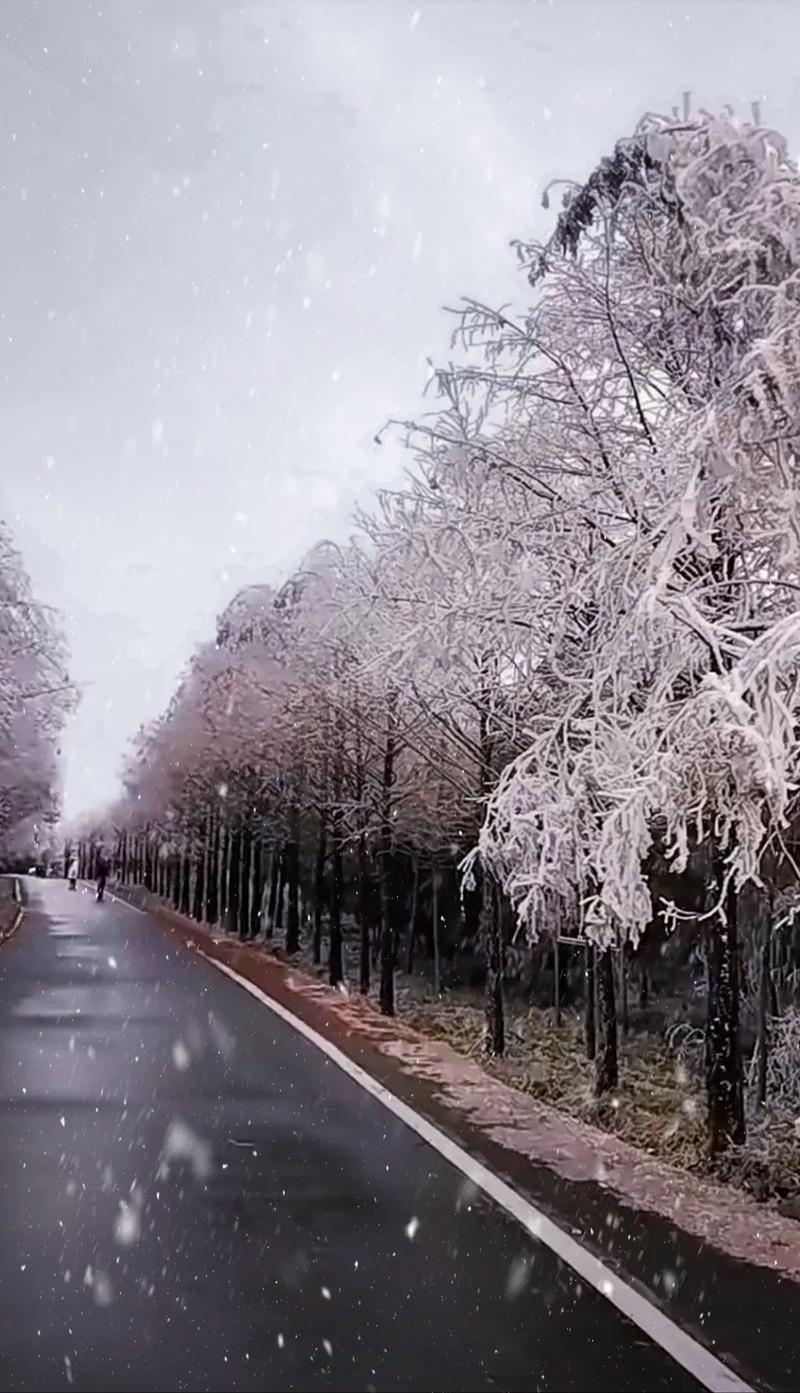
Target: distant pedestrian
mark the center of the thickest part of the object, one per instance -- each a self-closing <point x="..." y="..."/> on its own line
<point x="102" y="876"/>
<point x="72" y="873"/>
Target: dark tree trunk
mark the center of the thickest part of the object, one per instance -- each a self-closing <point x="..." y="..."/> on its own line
<point x="293" y="881"/>
<point x="186" y="872"/>
<point x="212" y="892"/>
<point x="494" y="1040"/>
<point x="623" y="989"/>
<point x="257" y="888"/>
<point x="234" y="881"/>
<point x="606" y="1076"/>
<point x="723" y="1058"/>
<point x="282" y="878"/>
<point x="386" y="989"/>
<point x="243" y="922"/>
<point x="589" y="1023"/>
<point x="335" y="963"/>
<point x="364" y="918"/>
<point x="411" y="934"/>
<point x="489" y="920"/>
<point x="319" y="890"/>
<point x="386" y="985"/>
<point x="335" y="966"/>
<point x="274" y="886"/>
<point x="437" y="957"/>
<point x="222" y="881"/>
<point x="175" y="895"/>
<point x="766" y="905"/>
<point x="198" y="896"/>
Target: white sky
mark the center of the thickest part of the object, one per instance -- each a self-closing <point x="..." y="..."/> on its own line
<point x="227" y="234"/>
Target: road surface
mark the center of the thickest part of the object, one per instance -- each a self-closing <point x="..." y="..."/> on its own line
<point x="192" y="1197"/>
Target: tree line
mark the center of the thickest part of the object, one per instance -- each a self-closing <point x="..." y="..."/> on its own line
<point x="36" y="697"/>
<point x="542" y="707"/>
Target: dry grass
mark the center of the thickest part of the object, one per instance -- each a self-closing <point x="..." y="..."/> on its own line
<point x="659" y="1106"/>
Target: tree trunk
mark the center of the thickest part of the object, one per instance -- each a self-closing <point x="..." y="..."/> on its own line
<point x="283" y="875"/>
<point x="319" y="890"/>
<point x="765" y="909"/>
<point x="199" y="887"/>
<point x="234" y="882"/>
<point x="364" y="926"/>
<point x="494" y="1040"/>
<point x="335" y="963"/>
<point x="606" y="1076"/>
<point x="762" y="1045"/>
<point x="437" y="957"/>
<point x="274" y="886"/>
<point x="256" y="888"/>
<point x="224" y="860"/>
<point x="205" y="868"/>
<point x="212" y="893"/>
<point x="242" y="925"/>
<point x="175" y="895"/>
<point x="489" y="918"/>
<point x="623" y="989"/>
<point x="386" y="984"/>
<point x="412" y="917"/>
<point x="293" y="880"/>
<point x="335" y="966"/>
<point x="590" y="1028"/>
<point x="386" y="989"/>
<point x="723" y="1058"/>
<point x="186" y="871"/>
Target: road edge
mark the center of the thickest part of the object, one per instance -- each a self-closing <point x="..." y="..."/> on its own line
<point x="16" y="920"/>
<point x="694" y="1358"/>
<point x="394" y="1054"/>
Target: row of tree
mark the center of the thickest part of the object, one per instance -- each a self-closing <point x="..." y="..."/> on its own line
<point x="36" y="697"/>
<point x="549" y="691"/>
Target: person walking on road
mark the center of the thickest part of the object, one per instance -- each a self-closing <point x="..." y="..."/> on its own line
<point x="102" y="876"/>
<point x="72" y="873"/>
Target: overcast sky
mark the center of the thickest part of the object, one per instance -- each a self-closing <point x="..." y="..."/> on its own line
<point x="227" y="232"/>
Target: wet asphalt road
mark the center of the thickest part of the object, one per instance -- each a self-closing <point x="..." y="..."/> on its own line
<point x="192" y="1197"/>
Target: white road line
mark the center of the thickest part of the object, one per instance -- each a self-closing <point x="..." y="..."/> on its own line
<point x="692" y="1356"/>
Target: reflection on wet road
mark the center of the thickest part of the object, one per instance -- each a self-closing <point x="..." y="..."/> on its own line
<point x="193" y="1197"/>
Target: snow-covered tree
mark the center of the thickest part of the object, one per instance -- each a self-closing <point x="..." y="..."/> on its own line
<point x="677" y="262"/>
<point x="35" y="699"/>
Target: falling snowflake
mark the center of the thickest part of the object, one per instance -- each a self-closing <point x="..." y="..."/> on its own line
<point x="127" y="1225"/>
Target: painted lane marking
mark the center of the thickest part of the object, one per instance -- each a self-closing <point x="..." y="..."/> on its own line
<point x="680" y="1346"/>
